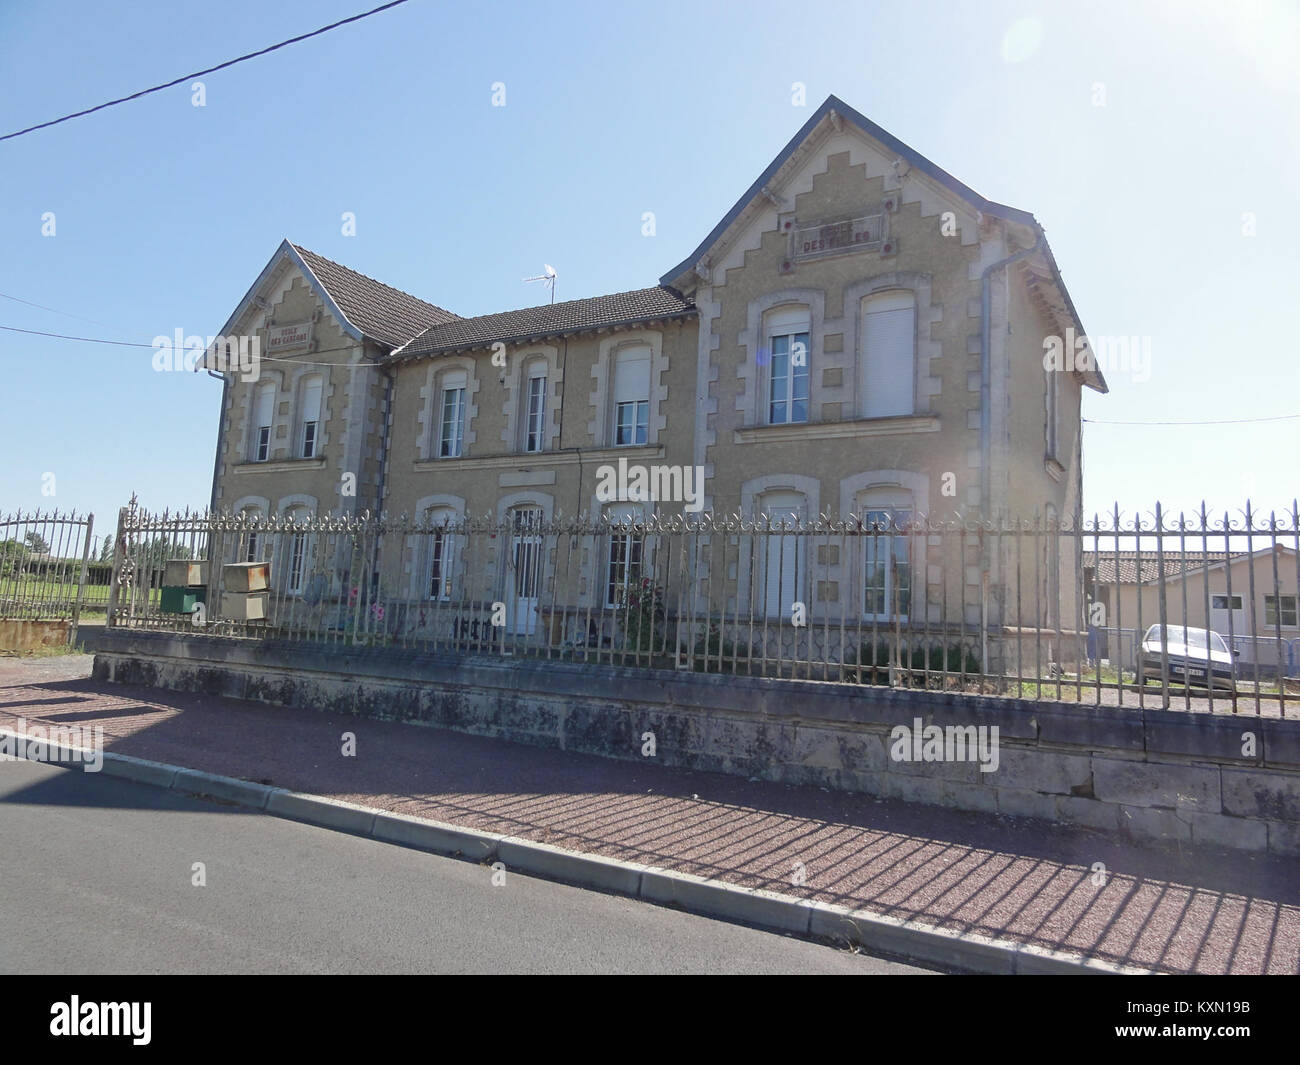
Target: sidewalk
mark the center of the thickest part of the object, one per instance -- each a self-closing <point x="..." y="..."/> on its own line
<point x="1194" y="910"/>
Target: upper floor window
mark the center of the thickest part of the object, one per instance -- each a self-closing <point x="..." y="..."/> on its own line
<point x="310" y="416"/>
<point x="535" y="407"/>
<point x="889" y="354"/>
<point x="263" y="420"/>
<point x="631" y="396"/>
<point x="787" y="332"/>
<point x="451" y="422"/>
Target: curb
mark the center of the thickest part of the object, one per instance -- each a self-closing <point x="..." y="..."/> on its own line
<point x="911" y="940"/>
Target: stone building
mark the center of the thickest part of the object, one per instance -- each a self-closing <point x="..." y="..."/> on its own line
<point x="861" y="335"/>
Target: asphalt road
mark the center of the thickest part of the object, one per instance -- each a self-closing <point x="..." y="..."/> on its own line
<point x="96" y="877"/>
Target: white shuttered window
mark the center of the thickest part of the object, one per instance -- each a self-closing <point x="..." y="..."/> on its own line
<point x="631" y="396"/>
<point x="889" y="355"/>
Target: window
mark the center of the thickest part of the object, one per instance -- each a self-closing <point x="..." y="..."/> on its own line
<point x="1053" y="402"/>
<point x="535" y="408"/>
<point x="887" y="572"/>
<point x="631" y="396"/>
<point x="626" y="551"/>
<point x="310" y="416"/>
<point x="252" y="547"/>
<point x="787" y="332"/>
<point x="451" y="426"/>
<point x="263" y="414"/>
<point x="1288" y="611"/>
<point x="785" y="560"/>
<point x="441" y="554"/>
<point x="298" y="550"/>
<point x="889" y="355"/>
<point x="1220" y="602"/>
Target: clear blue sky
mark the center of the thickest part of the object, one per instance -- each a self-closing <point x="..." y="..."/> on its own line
<point x="165" y="213"/>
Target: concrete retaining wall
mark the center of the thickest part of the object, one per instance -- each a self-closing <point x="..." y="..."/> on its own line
<point x="1232" y="781"/>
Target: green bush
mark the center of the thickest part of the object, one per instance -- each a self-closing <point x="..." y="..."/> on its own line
<point x="708" y="648"/>
<point x="937" y="659"/>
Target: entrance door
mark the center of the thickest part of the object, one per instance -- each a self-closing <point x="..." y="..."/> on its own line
<point x="525" y="576"/>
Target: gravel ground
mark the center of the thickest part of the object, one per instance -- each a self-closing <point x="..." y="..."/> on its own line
<point x="1174" y="909"/>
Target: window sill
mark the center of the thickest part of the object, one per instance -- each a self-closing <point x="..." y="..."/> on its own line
<point x="908" y="423"/>
<point x="280" y="465"/>
<point x="528" y="460"/>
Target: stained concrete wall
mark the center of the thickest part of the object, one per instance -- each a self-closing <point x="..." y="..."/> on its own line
<point x="1153" y="774"/>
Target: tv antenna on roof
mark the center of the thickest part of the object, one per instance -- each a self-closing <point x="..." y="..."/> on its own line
<point x="548" y="277"/>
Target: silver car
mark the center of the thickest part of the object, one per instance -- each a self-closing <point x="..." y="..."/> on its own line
<point x="1197" y="657"/>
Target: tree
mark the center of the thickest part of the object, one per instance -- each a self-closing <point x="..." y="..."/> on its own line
<point x="37" y="543"/>
<point x="106" y="550"/>
<point x="12" y="556"/>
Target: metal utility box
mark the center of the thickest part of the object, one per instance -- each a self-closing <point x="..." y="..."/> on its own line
<point x="244" y="606"/>
<point x="247" y="576"/>
<point x="185" y="573"/>
<point x="181" y="600"/>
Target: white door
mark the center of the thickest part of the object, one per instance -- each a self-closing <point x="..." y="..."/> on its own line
<point x="1219" y="612"/>
<point x="784" y="564"/>
<point x="524" y="578"/>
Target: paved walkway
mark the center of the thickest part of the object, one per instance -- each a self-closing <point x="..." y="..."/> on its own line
<point x="1188" y="910"/>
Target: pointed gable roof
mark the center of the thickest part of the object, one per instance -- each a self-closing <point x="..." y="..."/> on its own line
<point x="835" y="111"/>
<point x="365" y="308"/>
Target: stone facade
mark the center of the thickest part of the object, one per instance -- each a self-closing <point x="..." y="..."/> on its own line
<point x="903" y="411"/>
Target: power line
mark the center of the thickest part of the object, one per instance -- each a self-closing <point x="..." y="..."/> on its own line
<point x="52" y="310"/>
<point x="201" y="73"/>
<point x="136" y="344"/>
<point x="1221" y="421"/>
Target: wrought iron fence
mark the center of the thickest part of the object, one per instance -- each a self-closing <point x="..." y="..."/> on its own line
<point x="44" y="558"/>
<point x="1034" y="608"/>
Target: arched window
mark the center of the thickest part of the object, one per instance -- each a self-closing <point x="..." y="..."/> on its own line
<point x="886" y="554"/>
<point x="889" y="354"/>
<point x="451" y="414"/>
<point x="783" y="569"/>
<point x="311" y="392"/>
<point x="785" y="336"/>
<point x="440" y="553"/>
<point x="625" y="555"/>
<point x="262" y="423"/>
<point x="297" y="562"/>
<point x="253" y="538"/>
<point x="631" y="395"/>
<point x="533" y="407"/>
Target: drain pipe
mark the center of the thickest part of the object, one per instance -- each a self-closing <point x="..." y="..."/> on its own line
<point x="986" y="431"/>
<point x="221" y="436"/>
<point x="986" y="370"/>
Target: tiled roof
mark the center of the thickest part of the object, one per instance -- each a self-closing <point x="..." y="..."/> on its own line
<point x="622" y="308"/>
<point x="1126" y="563"/>
<point x="380" y="311"/>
